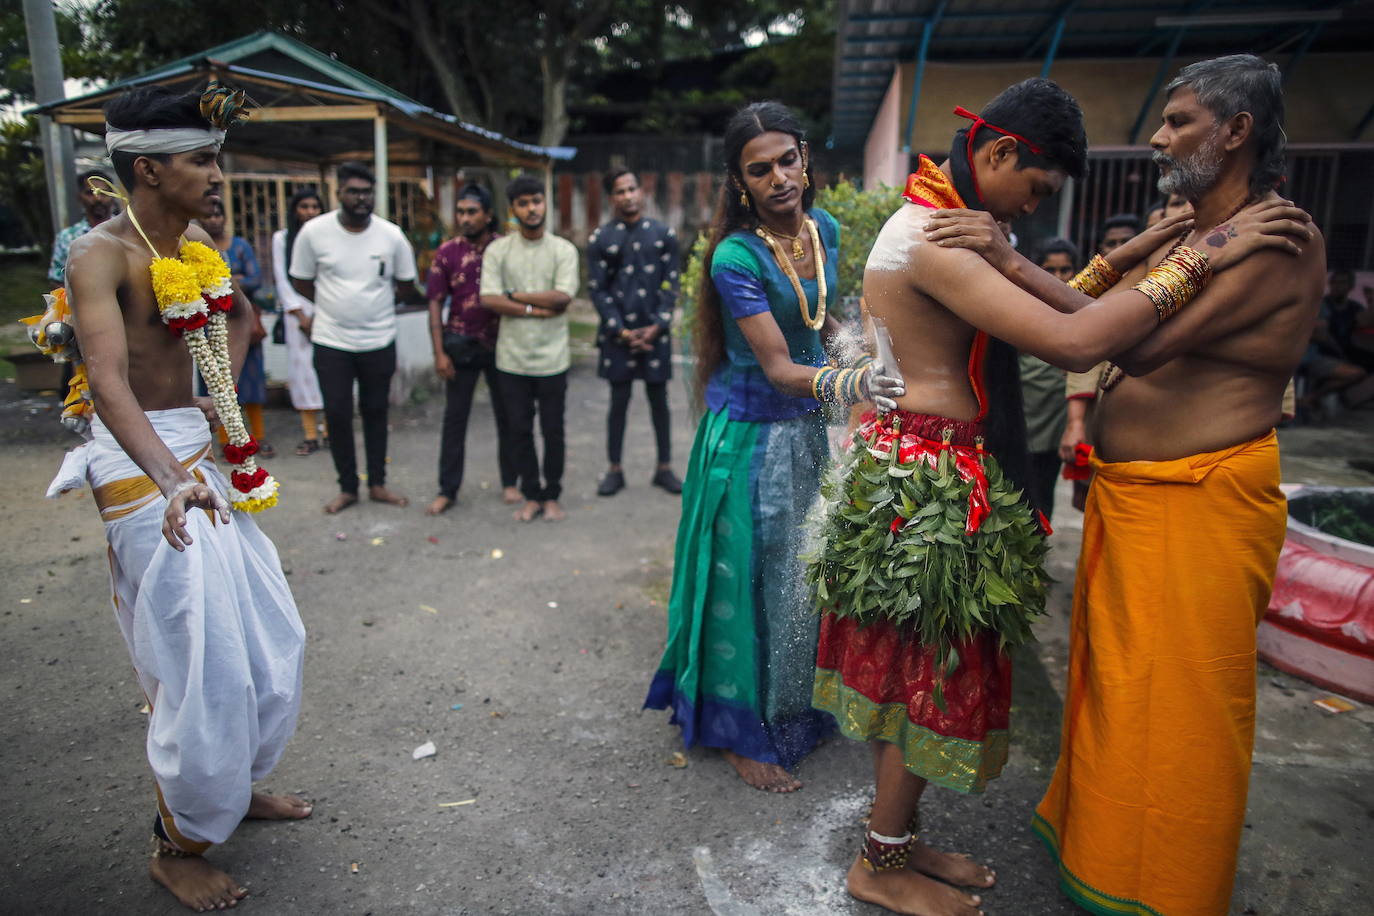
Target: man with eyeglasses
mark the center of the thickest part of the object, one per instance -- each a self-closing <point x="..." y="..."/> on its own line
<point x="354" y="265"/>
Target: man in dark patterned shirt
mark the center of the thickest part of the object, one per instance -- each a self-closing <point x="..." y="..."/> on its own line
<point x="465" y="344"/>
<point x="633" y="278"/>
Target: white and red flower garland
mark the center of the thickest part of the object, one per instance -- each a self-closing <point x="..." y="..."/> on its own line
<point x="194" y="295"/>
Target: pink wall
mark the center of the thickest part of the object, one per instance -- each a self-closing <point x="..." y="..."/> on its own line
<point x="884" y="161"/>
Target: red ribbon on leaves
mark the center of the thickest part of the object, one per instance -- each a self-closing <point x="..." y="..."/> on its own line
<point x="968" y="464"/>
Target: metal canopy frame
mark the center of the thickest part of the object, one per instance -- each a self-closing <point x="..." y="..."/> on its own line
<point x="875" y="37"/>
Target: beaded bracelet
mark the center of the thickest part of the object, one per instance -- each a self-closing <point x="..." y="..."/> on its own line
<point x="1095" y="279"/>
<point x="1176" y="280"/>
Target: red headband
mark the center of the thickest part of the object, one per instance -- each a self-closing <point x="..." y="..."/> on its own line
<point x="978" y="122"/>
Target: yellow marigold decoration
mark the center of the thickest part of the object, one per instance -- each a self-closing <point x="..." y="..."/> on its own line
<point x="210" y="269"/>
<point x="175" y="286"/>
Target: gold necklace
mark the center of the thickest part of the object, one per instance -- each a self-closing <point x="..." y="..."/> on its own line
<point x="798" y="253"/>
<point x="817" y="321"/>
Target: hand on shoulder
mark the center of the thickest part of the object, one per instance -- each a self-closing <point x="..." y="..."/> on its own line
<point x="1271" y="223"/>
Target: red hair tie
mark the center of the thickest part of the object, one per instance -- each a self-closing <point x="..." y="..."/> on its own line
<point x="978" y="122"/>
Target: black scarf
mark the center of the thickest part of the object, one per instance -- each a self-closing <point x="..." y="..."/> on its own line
<point x="961" y="171"/>
<point x="1005" y="425"/>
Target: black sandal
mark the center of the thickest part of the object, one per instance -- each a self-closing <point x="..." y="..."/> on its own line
<point x="308" y="447"/>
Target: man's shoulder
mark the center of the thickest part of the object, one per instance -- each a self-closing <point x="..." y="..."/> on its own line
<point x="499" y="245"/>
<point x="383" y="226"/>
<point x="610" y="227"/>
<point x="451" y="247"/>
<point x="318" y="226"/>
<point x="661" y="229"/>
<point x="100" y="242"/>
<point x="560" y="244"/>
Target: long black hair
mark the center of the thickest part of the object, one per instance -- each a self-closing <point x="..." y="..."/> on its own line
<point x="734" y="214"/>
<point x="293" y="222"/>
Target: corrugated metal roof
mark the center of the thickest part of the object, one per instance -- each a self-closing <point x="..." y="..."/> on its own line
<point x="876" y="35"/>
<point x="287" y="61"/>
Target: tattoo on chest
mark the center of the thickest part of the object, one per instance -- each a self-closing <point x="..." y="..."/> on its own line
<point x="1221" y="235"/>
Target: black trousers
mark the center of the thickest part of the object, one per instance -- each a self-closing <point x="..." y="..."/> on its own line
<point x="1043" y="473"/>
<point x="657" y="393"/>
<point x="372" y="370"/>
<point x="457" y="409"/>
<point x="523" y="396"/>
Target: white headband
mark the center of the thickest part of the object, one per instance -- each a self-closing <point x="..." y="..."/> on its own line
<point x="162" y="139"/>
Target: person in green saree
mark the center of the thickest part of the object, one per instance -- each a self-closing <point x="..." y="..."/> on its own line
<point x="741" y="652"/>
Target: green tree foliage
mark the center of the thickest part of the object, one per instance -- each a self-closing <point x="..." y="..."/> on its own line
<point x="511" y="70"/>
<point x="81" y="57"/>
<point x="23" y="184"/>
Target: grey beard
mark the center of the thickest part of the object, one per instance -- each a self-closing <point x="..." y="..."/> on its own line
<point x="1191" y="177"/>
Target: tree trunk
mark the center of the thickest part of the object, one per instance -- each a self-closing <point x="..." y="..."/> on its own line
<point x="440" y="59"/>
<point x="554" y="68"/>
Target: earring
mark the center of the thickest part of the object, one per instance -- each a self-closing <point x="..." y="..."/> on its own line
<point x="806" y="180"/>
<point x="744" y="200"/>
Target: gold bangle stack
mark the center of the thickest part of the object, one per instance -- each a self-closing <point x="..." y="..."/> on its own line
<point x="1095" y="279"/>
<point x="1176" y="280"/>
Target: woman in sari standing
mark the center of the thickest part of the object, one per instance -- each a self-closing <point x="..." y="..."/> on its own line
<point x="741" y="653"/>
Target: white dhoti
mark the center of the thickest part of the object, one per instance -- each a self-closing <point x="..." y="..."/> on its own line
<point x="213" y="631"/>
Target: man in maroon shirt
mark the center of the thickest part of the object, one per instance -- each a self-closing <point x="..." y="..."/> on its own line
<point x="465" y="344"/>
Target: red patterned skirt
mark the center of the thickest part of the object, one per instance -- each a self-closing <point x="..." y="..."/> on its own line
<point x="879" y="682"/>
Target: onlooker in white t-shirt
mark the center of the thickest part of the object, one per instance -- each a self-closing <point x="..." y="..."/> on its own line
<point x="354" y="265"/>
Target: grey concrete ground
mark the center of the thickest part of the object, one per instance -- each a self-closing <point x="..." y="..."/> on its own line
<point x="547" y="646"/>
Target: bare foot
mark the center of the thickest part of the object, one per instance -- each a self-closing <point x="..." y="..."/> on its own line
<point x="383" y="495"/>
<point x="529" y="511"/>
<point x="265" y="807"/>
<point x="340" y="503"/>
<point x="510" y="495"/>
<point x="553" y="512"/>
<point x="766" y="776"/>
<point x="951" y="867"/>
<point x="904" y="891"/>
<point x="440" y="505"/>
<point x="196" y="883"/>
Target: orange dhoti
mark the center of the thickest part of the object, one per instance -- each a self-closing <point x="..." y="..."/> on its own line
<point x="1147" y="803"/>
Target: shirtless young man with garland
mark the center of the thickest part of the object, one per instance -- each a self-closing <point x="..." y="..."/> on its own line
<point x="926" y="679"/>
<point x="203" y="606"/>
<point x="1184" y="520"/>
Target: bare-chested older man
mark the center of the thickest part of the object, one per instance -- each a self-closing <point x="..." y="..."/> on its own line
<point x="199" y="593"/>
<point x="925" y="580"/>
<point x="1182" y="532"/>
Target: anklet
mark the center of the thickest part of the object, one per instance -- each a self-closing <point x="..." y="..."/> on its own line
<point x="885" y="853"/>
<point x="165" y="850"/>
